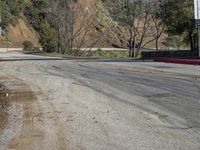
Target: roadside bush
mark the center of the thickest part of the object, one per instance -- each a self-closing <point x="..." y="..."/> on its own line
<point x="107" y="53"/>
<point x="28" y="46"/>
<point x="111" y="53"/>
<point x="36" y="49"/>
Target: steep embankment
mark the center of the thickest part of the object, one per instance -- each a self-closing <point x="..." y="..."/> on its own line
<point x="18" y="33"/>
<point x="112" y="34"/>
<point x="107" y="31"/>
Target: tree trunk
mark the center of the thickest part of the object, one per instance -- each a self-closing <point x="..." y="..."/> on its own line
<point x="133" y="48"/>
<point x="130" y="49"/>
<point x="191" y="41"/>
<point x="130" y="43"/>
<point x="157" y="37"/>
<point x="157" y="44"/>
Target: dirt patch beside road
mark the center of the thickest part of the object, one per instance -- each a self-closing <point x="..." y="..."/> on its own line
<point x="3" y="106"/>
<point x="16" y="115"/>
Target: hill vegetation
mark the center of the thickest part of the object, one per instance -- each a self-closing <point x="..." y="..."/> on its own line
<point x="69" y="25"/>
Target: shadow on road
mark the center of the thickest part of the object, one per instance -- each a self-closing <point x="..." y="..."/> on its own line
<point x="32" y="59"/>
<point x="114" y="60"/>
<point x="77" y="59"/>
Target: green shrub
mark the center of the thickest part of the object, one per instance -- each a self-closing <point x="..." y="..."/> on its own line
<point x="10" y="10"/>
<point x="36" y="12"/>
<point x="28" y="46"/>
<point x="47" y="37"/>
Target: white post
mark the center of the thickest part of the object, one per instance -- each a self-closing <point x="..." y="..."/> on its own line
<point x="197" y="18"/>
<point x="0" y="26"/>
<point x="199" y="40"/>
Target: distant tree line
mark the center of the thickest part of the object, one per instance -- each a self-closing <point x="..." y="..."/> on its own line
<point x="64" y="25"/>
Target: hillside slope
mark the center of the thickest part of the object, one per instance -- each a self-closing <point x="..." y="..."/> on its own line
<point x="110" y="33"/>
<point x="18" y="33"/>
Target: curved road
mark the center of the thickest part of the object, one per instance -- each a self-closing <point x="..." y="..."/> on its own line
<point x="87" y="104"/>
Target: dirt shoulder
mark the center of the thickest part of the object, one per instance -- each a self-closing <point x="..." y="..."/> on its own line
<point x="3" y="106"/>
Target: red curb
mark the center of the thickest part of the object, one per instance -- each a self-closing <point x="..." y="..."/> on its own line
<point x="178" y="61"/>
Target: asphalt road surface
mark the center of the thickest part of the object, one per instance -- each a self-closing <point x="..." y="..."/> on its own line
<point x="89" y="104"/>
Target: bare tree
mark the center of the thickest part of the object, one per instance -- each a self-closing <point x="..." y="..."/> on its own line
<point x="72" y="23"/>
<point x="138" y="16"/>
<point x="157" y="27"/>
